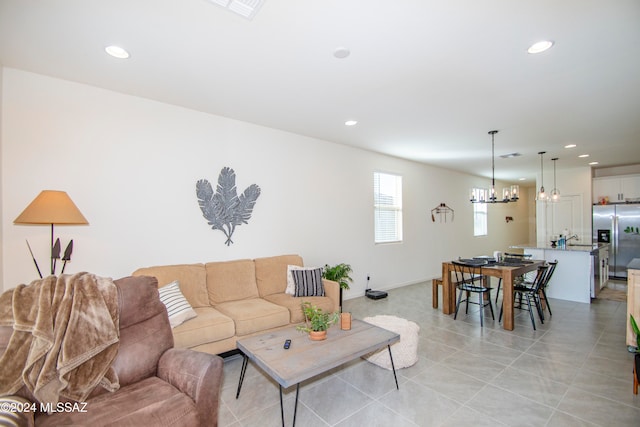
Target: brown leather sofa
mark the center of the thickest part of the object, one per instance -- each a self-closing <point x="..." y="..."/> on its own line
<point x="159" y="385"/>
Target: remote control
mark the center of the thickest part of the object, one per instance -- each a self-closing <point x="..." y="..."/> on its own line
<point x="287" y="344"/>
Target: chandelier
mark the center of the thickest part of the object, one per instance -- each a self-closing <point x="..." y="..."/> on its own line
<point x="509" y="194"/>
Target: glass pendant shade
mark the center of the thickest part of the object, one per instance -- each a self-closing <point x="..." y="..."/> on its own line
<point x="542" y="195"/>
<point x="515" y="192"/>
<point x="555" y="193"/>
<point x="479" y="195"/>
<point x="511" y="194"/>
<point x="506" y="193"/>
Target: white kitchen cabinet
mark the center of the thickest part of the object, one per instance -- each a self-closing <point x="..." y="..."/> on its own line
<point x="630" y="186"/>
<point x="616" y="188"/>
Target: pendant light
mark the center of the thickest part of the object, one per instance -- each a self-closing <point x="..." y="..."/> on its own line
<point x="542" y="196"/>
<point x="509" y="194"/>
<point x="555" y="193"/>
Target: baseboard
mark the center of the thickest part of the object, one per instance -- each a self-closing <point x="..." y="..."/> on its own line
<point x="387" y="288"/>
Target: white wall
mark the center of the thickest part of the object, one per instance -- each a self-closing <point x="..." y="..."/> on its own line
<point x="131" y="165"/>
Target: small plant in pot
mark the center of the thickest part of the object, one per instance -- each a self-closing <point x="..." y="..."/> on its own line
<point x="317" y="321"/>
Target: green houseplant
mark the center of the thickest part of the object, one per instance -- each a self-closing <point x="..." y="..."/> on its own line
<point x="338" y="273"/>
<point x="636" y="330"/>
<point x="317" y="321"/>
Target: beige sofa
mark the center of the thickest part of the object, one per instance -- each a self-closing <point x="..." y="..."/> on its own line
<point x="236" y="299"/>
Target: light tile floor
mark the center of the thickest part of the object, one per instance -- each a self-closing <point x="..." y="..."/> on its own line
<point x="573" y="371"/>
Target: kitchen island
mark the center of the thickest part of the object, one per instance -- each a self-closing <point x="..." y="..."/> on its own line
<point x="582" y="269"/>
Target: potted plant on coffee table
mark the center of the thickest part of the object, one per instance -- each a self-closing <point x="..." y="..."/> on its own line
<point x="317" y="321"/>
<point x="338" y="273"/>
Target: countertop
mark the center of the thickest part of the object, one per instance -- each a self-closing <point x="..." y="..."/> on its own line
<point x="571" y="247"/>
<point x="634" y="264"/>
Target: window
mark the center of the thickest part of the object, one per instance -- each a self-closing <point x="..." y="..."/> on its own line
<point x="387" y="196"/>
<point x="480" y="213"/>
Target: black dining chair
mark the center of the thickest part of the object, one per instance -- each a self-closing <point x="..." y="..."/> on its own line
<point x="469" y="280"/>
<point x="513" y="258"/>
<point x="543" y="289"/>
<point x="530" y="294"/>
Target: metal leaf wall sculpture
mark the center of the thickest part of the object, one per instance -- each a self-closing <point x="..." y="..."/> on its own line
<point x="224" y="210"/>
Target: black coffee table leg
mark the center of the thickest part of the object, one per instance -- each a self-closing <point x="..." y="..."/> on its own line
<point x="393" y="367"/>
<point x="295" y="408"/>
<point x="281" y="407"/>
<point x="245" y="361"/>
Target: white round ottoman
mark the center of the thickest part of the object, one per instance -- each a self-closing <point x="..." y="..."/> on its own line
<point x="405" y="351"/>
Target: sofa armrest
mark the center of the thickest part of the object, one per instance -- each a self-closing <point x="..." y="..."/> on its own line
<point x="197" y="374"/>
<point x="332" y="290"/>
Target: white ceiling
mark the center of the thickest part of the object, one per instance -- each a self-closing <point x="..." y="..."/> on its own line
<point x="426" y="79"/>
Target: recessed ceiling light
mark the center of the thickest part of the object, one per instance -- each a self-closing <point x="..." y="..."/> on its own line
<point x="593" y="163"/>
<point x="570" y="146"/>
<point x="117" y="52"/>
<point x="351" y="123"/>
<point x="582" y="156"/>
<point x="522" y="179"/>
<point x="540" y="46"/>
<point x="341" y="52"/>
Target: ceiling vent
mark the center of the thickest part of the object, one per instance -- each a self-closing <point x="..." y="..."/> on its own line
<point x="245" y="8"/>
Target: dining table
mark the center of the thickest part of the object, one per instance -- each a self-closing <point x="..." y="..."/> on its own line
<point x="505" y="271"/>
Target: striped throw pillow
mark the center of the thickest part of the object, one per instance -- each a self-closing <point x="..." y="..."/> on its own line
<point x="308" y="282"/>
<point x="178" y="307"/>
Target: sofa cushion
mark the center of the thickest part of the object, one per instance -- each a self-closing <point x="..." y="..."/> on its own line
<point x="209" y="326"/>
<point x="192" y="278"/>
<point x="271" y="273"/>
<point x="231" y="281"/>
<point x="254" y="315"/>
<point x="294" y="305"/>
<point x="148" y="402"/>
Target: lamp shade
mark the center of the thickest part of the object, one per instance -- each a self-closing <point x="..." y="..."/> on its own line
<point x="51" y="207"/>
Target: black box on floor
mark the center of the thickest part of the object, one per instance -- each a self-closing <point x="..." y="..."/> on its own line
<point x="376" y="294"/>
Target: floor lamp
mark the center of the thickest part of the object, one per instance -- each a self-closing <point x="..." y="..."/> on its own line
<point x="52" y="207"/>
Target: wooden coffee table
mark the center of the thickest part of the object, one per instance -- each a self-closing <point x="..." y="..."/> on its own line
<point x="306" y="359"/>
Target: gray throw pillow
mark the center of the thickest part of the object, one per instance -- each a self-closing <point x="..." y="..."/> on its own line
<point x="308" y="283"/>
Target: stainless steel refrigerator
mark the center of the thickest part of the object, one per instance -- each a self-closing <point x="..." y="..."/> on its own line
<point x="618" y="225"/>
